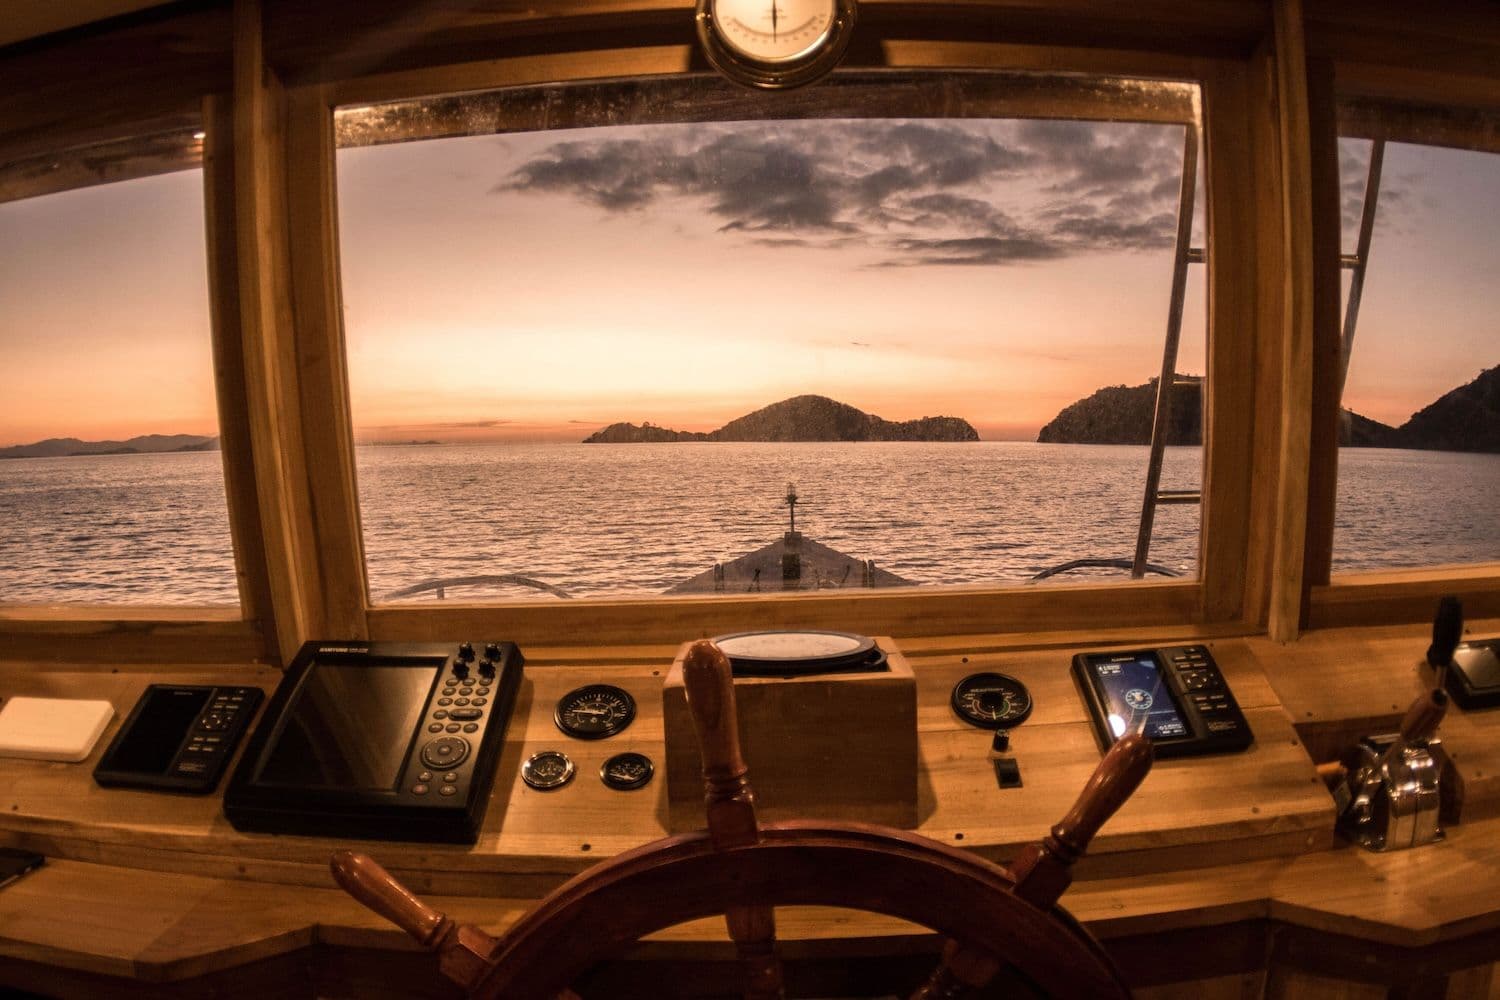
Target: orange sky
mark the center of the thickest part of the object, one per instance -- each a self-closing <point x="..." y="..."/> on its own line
<point x="538" y="287"/>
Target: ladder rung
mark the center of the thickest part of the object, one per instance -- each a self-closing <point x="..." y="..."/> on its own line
<point x="1179" y="496"/>
<point x="1196" y="255"/>
<point x="1188" y="380"/>
<point x="1349" y="260"/>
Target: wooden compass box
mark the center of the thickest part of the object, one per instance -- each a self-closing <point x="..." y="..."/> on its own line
<point x="824" y="746"/>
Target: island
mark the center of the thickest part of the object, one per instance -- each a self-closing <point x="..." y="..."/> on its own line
<point x="1465" y="419"/>
<point x="801" y="418"/>
<point x="145" y="444"/>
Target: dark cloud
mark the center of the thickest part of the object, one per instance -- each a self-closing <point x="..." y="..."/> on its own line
<point x="920" y="193"/>
<point x="975" y="250"/>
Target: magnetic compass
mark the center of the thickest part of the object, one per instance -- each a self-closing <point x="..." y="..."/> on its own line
<point x="625" y="772"/>
<point x="991" y="701"/>
<point x="594" y="712"/>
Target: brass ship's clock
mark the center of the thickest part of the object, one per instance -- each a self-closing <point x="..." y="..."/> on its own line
<point x="775" y="44"/>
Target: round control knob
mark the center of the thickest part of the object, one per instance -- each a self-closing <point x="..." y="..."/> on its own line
<point x="492" y="651"/>
<point x="460" y="669"/>
<point x="445" y="753"/>
<point x="465" y="652"/>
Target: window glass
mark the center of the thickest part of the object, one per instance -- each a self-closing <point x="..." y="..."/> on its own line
<point x="1419" y="457"/>
<point x="111" y="485"/>
<point x="596" y="361"/>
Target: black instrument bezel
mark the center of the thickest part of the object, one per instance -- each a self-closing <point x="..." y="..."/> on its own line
<point x="955" y="702"/>
<point x="399" y="813"/>
<point x="614" y="730"/>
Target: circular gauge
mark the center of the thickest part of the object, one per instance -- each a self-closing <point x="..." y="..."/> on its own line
<point x="775" y="44"/>
<point x="1138" y="699"/>
<point x="991" y="701"/>
<point x="547" y="770"/>
<point x="594" y="712"/>
<point x="625" y="772"/>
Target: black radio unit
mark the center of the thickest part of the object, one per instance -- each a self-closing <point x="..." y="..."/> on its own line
<point x="390" y="741"/>
<point x="179" y="737"/>
<point x="1176" y="696"/>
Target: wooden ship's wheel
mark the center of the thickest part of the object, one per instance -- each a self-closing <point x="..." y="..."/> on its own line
<point x="993" y="917"/>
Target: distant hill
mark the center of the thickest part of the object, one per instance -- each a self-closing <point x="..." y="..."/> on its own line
<point x="1466" y="419"/>
<point x="801" y="418"/>
<point x="68" y="447"/>
<point x="1122" y="414"/>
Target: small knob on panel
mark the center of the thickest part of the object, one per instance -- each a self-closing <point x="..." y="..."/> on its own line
<point x="465" y="652"/>
<point x="487" y="668"/>
<point x="492" y="651"/>
<point x="460" y="669"/>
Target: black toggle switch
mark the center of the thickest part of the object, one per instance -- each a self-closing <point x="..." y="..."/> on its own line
<point x="1007" y="772"/>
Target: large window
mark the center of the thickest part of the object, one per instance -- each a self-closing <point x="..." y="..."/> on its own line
<point x="599" y="361"/>
<point x="111" y="485"/>
<point x="1419" y="462"/>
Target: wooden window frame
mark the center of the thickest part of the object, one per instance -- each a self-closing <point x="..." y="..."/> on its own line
<point x="1217" y="599"/>
<point x="265" y="75"/>
<point x="1415" y="92"/>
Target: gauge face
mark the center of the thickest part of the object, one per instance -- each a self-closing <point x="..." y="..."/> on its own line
<point x="991" y="701"/>
<point x="626" y="772"/>
<point x="775" y="44"/>
<point x="773" y="31"/>
<point x="1138" y="699"/>
<point x="547" y="770"/>
<point x="594" y="712"/>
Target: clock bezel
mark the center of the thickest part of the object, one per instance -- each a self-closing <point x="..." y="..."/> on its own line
<point x="761" y="74"/>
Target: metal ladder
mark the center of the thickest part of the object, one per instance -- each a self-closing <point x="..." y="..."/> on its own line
<point x="1355" y="262"/>
<point x="1161" y="423"/>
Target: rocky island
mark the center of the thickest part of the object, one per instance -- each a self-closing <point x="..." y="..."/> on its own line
<point x="801" y="418"/>
<point x="145" y="444"/>
<point x="1465" y="419"/>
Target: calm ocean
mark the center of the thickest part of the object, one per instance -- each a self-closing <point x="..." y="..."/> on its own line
<point x="628" y="520"/>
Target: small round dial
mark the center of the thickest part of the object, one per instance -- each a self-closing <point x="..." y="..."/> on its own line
<point x="773" y="30"/>
<point x="547" y="770"/>
<point x="626" y="772"/>
<point x="594" y="712"/>
<point x="991" y="701"/>
<point x="775" y="44"/>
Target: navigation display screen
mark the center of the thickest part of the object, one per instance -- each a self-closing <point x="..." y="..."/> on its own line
<point x="1136" y="697"/>
<point x="350" y="727"/>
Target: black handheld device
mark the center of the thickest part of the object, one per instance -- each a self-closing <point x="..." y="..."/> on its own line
<point x="393" y="741"/>
<point x="1174" y="695"/>
<point x="178" y="738"/>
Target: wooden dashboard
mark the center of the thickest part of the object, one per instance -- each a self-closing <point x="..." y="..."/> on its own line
<point x="150" y="888"/>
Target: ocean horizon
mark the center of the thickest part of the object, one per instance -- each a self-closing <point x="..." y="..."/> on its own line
<point x="634" y="520"/>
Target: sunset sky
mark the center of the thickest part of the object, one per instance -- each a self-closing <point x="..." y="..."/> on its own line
<point x="540" y="286"/>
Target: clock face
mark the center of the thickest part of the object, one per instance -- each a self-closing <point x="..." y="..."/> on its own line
<point x="773" y="31"/>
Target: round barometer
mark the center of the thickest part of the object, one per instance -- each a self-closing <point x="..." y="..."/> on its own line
<point x="775" y="44"/>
